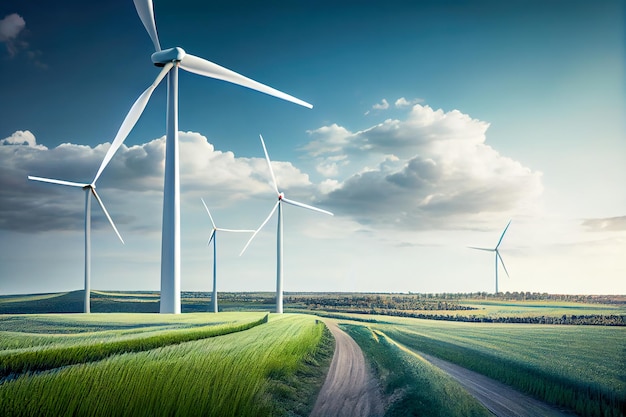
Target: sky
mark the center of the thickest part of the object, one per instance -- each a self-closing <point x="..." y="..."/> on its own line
<point x="434" y="123"/>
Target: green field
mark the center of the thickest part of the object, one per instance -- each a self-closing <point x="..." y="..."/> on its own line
<point x="272" y="369"/>
<point x="479" y="307"/>
<point x="579" y="367"/>
<point x="417" y="387"/>
<point x="239" y="363"/>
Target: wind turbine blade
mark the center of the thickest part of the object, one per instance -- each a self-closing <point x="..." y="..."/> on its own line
<point x="501" y="237"/>
<point x="106" y="213"/>
<point x="209" y="69"/>
<point x="50" y="180"/>
<point x="269" y="164"/>
<point x="502" y="261"/>
<point x="236" y="230"/>
<point x="207" y="210"/>
<point x="485" y="249"/>
<point x="211" y="238"/>
<point x="260" y="227"/>
<point x="130" y="120"/>
<point x="145" y="11"/>
<point x="306" y="206"/>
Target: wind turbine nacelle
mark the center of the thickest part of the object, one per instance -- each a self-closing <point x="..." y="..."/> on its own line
<point x="165" y="56"/>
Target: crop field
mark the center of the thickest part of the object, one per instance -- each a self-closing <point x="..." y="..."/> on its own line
<point x="168" y="365"/>
<point x="541" y="308"/>
<point x="130" y="302"/>
<point x="582" y="368"/>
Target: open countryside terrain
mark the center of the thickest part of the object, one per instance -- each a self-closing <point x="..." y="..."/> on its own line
<point x="252" y="363"/>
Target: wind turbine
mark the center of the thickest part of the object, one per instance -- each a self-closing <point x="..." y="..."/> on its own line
<point x="498" y="256"/>
<point x="279" y="231"/>
<point x="89" y="190"/>
<point x="171" y="59"/>
<point x="214" y="239"/>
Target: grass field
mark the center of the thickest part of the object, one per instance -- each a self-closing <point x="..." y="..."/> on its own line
<point x="522" y="308"/>
<point x="272" y="369"/>
<point x="488" y="308"/>
<point x="414" y="387"/>
<point x="503" y="308"/>
<point x="580" y="367"/>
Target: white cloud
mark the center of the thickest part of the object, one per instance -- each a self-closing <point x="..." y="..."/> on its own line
<point x="23" y="138"/>
<point x="433" y="170"/>
<point x="328" y="139"/>
<point x="383" y="105"/>
<point x="135" y="171"/>
<point x="328" y="169"/>
<point x="328" y="186"/>
<point x="403" y="102"/>
<point x="10" y="27"/>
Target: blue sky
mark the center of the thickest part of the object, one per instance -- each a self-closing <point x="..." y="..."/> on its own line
<point x="434" y="123"/>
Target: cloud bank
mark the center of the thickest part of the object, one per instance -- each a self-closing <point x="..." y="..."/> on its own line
<point x="432" y="170"/>
<point x="30" y="206"/>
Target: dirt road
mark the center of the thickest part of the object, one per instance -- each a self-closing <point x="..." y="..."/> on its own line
<point x="349" y="389"/>
<point x="500" y="399"/>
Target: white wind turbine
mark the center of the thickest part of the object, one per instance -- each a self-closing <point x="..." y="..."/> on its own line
<point x="214" y="239"/>
<point x="89" y="190"/>
<point x="279" y="232"/>
<point x="171" y="59"/>
<point x="498" y="256"/>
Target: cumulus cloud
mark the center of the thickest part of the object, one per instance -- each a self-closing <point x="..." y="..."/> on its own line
<point x="10" y="28"/>
<point x="433" y="170"/>
<point x="383" y="105"/>
<point x="403" y="102"/>
<point x="609" y="224"/>
<point x="333" y="139"/>
<point x="21" y="138"/>
<point x="136" y="170"/>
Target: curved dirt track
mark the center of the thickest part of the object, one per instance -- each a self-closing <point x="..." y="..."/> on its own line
<point x="349" y="389"/>
<point x="500" y="399"/>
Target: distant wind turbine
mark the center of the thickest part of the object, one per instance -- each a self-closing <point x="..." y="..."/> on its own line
<point x="498" y="256"/>
<point x="279" y="237"/>
<point x="171" y="59"/>
<point x="89" y="190"/>
<point x="214" y="239"/>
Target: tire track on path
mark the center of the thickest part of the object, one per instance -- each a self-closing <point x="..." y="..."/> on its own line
<point x="349" y="390"/>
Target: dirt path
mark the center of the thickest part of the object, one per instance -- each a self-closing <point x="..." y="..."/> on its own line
<point x="500" y="399"/>
<point x="349" y="389"/>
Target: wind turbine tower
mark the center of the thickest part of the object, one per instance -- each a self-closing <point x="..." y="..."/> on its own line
<point x="170" y="60"/>
<point x="213" y="238"/>
<point x="279" y="232"/>
<point x="90" y="189"/>
<point x="497" y="254"/>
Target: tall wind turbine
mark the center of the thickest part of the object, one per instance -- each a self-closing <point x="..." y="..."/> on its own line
<point x="279" y="231"/>
<point x="89" y="190"/>
<point x="214" y="239"/>
<point x="498" y="256"/>
<point x="171" y="59"/>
